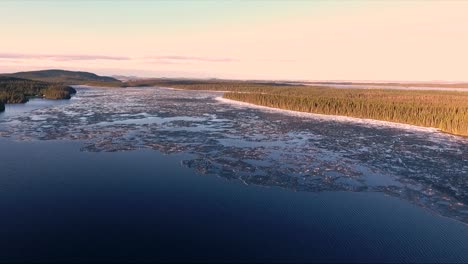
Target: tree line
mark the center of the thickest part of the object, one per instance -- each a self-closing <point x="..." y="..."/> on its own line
<point x="447" y="111"/>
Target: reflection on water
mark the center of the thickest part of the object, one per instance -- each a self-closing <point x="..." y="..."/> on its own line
<point x="32" y="104"/>
<point x="262" y="147"/>
<point x="68" y="205"/>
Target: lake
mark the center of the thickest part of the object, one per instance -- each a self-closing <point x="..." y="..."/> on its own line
<point x="147" y="174"/>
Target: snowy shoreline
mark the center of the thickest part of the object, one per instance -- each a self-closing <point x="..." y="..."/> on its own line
<point x="373" y="122"/>
<point x="338" y="118"/>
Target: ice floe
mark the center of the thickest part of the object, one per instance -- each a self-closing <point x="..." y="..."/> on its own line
<point x="262" y="146"/>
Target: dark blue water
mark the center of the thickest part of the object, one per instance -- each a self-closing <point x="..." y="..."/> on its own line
<point x="33" y="104"/>
<point x="61" y="202"/>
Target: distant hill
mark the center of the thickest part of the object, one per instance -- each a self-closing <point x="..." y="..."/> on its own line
<point x="197" y="84"/>
<point x="67" y="77"/>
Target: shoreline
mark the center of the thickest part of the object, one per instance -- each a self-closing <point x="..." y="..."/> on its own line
<point x="339" y="118"/>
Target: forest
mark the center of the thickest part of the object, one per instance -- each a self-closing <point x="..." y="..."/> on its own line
<point x="16" y="90"/>
<point x="445" y="110"/>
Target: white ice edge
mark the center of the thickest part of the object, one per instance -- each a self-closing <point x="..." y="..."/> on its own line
<point x="178" y="89"/>
<point x="347" y="119"/>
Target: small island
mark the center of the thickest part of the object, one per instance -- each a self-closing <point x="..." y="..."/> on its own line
<point x="49" y="84"/>
<point x="17" y="90"/>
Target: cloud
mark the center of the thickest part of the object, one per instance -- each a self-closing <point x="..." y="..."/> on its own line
<point x="175" y="58"/>
<point x="61" y="57"/>
<point x="162" y="59"/>
<point x="16" y="61"/>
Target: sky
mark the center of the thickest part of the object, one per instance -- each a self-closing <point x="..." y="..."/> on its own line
<point x="244" y="39"/>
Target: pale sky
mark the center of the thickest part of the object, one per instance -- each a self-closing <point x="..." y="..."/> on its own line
<point x="303" y="40"/>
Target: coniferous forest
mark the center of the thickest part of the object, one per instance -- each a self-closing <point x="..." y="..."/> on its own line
<point x="443" y="110"/>
<point x="16" y="90"/>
